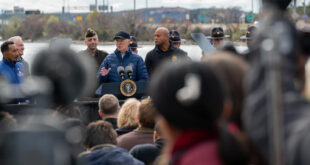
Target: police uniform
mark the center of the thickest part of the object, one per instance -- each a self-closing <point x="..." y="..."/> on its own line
<point x="248" y="37"/>
<point x="134" y="42"/>
<point x="217" y="33"/>
<point x="174" y="36"/>
<point x="155" y="56"/>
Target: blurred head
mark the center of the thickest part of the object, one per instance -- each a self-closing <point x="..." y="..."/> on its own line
<point x="19" y="44"/>
<point x="64" y="80"/>
<point x="7" y="121"/>
<point x="99" y="132"/>
<point x="108" y="104"/>
<point x="157" y="132"/>
<point x="161" y="36"/>
<point x="9" y="51"/>
<point x="188" y="95"/>
<point x="69" y="111"/>
<point x="146" y="114"/>
<point x="91" y="39"/>
<point x="281" y="4"/>
<point x="128" y="113"/>
<point x="122" y="41"/>
<point x="232" y="70"/>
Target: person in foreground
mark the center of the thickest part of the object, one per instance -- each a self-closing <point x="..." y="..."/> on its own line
<point x="100" y="142"/>
<point x="190" y="100"/>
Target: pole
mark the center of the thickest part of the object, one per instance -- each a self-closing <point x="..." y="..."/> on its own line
<point x="96" y="4"/>
<point x="68" y="3"/>
<point x="63" y="6"/>
<point x="103" y="7"/>
<point x="294" y="10"/>
<point x="108" y="5"/>
<point x="134" y="17"/>
<point x="252" y="7"/>
<point x="146" y="3"/>
<point x="271" y="47"/>
<point x="134" y="5"/>
<point x="304" y="7"/>
<point x="134" y="11"/>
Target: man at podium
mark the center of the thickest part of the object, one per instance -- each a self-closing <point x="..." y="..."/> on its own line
<point x="122" y="64"/>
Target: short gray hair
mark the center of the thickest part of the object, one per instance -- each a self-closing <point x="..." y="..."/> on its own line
<point x="108" y="104"/>
<point x="15" y="38"/>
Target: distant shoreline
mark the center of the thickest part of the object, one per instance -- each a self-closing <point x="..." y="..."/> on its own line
<point x="79" y="42"/>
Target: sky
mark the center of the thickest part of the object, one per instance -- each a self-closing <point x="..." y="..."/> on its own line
<point x="49" y="6"/>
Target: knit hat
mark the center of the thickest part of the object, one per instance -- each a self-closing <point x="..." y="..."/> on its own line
<point x="187" y="94"/>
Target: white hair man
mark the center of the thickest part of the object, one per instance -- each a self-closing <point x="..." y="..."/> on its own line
<point x="19" y="43"/>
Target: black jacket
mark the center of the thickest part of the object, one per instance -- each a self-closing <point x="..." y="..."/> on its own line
<point x="147" y="153"/>
<point x="156" y="56"/>
<point x="124" y="130"/>
<point x="113" y="121"/>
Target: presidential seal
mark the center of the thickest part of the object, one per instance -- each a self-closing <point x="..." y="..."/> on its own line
<point x="128" y="88"/>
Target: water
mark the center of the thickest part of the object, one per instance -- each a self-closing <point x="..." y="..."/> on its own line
<point x="31" y="49"/>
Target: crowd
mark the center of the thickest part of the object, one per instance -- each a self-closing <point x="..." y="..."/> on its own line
<point x="228" y="108"/>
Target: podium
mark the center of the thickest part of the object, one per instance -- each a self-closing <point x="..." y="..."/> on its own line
<point x="115" y="89"/>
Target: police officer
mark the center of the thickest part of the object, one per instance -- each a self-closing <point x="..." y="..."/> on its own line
<point x="175" y="38"/>
<point x="133" y="44"/>
<point x="249" y="35"/>
<point x="217" y="36"/>
<point x="251" y="31"/>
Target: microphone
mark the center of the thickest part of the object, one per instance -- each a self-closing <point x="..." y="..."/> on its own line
<point x="129" y="71"/>
<point x="121" y="72"/>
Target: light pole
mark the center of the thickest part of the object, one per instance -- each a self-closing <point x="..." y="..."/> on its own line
<point x="304" y="7"/>
<point x="252" y="6"/>
<point x="294" y="6"/>
<point x="134" y="18"/>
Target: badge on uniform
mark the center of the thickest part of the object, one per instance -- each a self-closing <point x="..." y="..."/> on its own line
<point x="128" y="88"/>
<point x="174" y="58"/>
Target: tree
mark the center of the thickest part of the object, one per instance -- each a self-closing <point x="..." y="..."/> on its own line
<point x="32" y="27"/>
<point x="13" y="27"/>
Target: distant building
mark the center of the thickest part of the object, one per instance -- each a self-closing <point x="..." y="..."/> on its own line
<point x="7" y="11"/>
<point x="163" y="15"/>
<point x="19" y="10"/>
<point x="29" y="12"/>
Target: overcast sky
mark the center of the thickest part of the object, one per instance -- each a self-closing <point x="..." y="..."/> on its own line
<point x="55" y="5"/>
